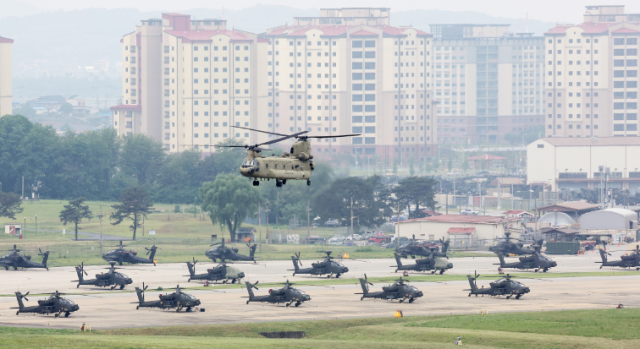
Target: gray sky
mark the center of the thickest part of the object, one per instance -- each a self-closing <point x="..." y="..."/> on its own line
<point x="565" y="11"/>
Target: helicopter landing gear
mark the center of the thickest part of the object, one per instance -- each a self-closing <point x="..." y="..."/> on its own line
<point x="411" y="300"/>
<point x="247" y="302"/>
<point x="337" y="275"/>
<point x="508" y="297"/>
<point x="137" y="307"/>
<point x="67" y="314"/>
<point x="298" y="304"/>
<point x="121" y="287"/>
<point x="433" y="272"/>
<point x="441" y="271"/>
<point x="361" y="298"/>
<point x="287" y="305"/>
<point x="57" y="315"/>
<point x="78" y="286"/>
<point x="278" y="183"/>
<point x="518" y="296"/>
<point x="256" y="183"/>
<point x="545" y="270"/>
<point x="233" y="281"/>
<point x="469" y="294"/>
<point x="535" y="271"/>
<point x="308" y="182"/>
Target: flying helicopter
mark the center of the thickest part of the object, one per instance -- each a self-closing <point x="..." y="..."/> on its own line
<point x="327" y="266"/>
<point x="397" y="290"/>
<point x="502" y="287"/>
<point x="120" y="255"/>
<point x="220" y="272"/>
<point x="222" y="252"/>
<point x="52" y="305"/>
<point x="177" y="299"/>
<point x="507" y="247"/>
<point x="624" y="262"/>
<point x="16" y="260"/>
<point x="431" y="263"/>
<point x="294" y="165"/>
<point x="536" y="261"/>
<point x="287" y="295"/>
<point x="103" y="279"/>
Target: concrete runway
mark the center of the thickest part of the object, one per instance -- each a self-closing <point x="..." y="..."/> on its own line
<point x="103" y="309"/>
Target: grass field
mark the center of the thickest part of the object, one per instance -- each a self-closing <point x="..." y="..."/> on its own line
<point x="180" y="236"/>
<point x="614" y="328"/>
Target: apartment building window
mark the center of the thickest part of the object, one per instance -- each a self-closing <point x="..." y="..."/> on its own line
<point x="356" y="44"/>
<point x="370" y="54"/>
<point x="369" y="43"/>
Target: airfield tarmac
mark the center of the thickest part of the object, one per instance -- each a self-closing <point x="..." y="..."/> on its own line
<point x="102" y="309"/>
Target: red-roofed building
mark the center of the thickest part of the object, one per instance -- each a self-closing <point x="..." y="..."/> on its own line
<point x="186" y="82"/>
<point x="588" y="67"/>
<point x="437" y="227"/>
<point x="349" y="71"/>
<point x="6" y="93"/>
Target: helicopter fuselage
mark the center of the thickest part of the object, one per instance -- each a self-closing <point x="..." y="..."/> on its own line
<point x="296" y="164"/>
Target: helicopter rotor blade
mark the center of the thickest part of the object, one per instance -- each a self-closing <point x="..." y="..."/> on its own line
<point x="253" y="129"/>
<point x="336" y="136"/>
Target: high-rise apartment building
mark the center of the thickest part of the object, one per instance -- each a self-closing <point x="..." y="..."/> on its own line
<point x="186" y="82"/>
<point x="6" y="93"/>
<point x="592" y="75"/>
<point x="489" y="82"/>
<point x="349" y="71"/>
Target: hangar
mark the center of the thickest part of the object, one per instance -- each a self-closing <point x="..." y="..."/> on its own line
<point x="474" y="227"/>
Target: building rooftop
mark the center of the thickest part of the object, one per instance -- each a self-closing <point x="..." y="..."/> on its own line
<point x="571" y="206"/>
<point x="4" y="40"/>
<point x="339" y="30"/>
<point x="592" y="141"/>
<point x="458" y="218"/>
<point x="205" y="35"/>
<point x="506" y="181"/>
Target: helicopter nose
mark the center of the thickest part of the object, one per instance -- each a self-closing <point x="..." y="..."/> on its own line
<point x="526" y="290"/>
<point x="240" y="275"/>
<point x="450" y="265"/>
<point x="307" y="298"/>
<point x="555" y="264"/>
<point x="75" y="307"/>
<point x="345" y="269"/>
<point x="420" y="294"/>
<point x="128" y="281"/>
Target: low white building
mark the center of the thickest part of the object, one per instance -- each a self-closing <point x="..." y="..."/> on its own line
<point x="444" y="226"/>
<point x="574" y="163"/>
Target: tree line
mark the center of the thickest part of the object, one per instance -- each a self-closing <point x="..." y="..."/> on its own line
<point x="99" y="165"/>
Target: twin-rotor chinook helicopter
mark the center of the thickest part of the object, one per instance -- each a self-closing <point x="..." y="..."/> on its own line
<point x="296" y="164"/>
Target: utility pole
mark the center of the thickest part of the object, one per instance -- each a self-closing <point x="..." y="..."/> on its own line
<point x="267" y="236"/>
<point x="308" y="221"/>
<point x="22" y="187"/>
<point x="36" y="225"/>
<point x="511" y="196"/>
<point x="499" y="194"/>
<point x="352" y="215"/>
<point x="100" y="216"/>
<point x="142" y="225"/>
<point x="259" y="228"/>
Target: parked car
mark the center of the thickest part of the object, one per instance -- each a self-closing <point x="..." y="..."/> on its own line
<point x="395" y="218"/>
<point x="332" y="223"/>
<point x="469" y="212"/>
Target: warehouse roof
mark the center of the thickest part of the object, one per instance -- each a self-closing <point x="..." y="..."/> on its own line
<point x="593" y="141"/>
<point x="458" y="218"/>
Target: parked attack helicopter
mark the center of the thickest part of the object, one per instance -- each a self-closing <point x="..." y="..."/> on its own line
<point x="52" y="305"/>
<point x="536" y="261"/>
<point x="287" y="294"/>
<point x="120" y="255"/>
<point x="624" y="262"/>
<point x="327" y="266"/>
<point x="502" y="287"/>
<point x="16" y="260"/>
<point x="296" y="164"/>
<point x="507" y="247"/>
<point x="110" y="278"/>
<point x="222" y="252"/>
<point x="220" y="272"/>
<point x="431" y="263"/>
<point x="397" y="290"/>
<point x="413" y="249"/>
<point x="177" y="300"/>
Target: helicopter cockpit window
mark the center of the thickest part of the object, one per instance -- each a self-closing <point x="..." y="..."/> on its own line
<point x="121" y="275"/>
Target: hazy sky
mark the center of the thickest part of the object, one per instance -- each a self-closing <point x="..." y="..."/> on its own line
<point x="566" y="11"/>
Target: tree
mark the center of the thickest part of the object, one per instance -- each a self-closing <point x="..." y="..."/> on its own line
<point x="416" y="191"/>
<point x="412" y="170"/>
<point x="66" y="108"/>
<point x="74" y="213"/>
<point x="368" y="205"/>
<point x="229" y="199"/>
<point x="10" y="204"/>
<point x="134" y="205"/>
<point x="142" y="158"/>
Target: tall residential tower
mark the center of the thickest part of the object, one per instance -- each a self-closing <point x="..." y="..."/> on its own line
<point x="6" y="93"/>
